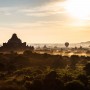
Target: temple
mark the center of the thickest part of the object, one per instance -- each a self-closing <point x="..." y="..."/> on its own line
<point x="15" y="44"/>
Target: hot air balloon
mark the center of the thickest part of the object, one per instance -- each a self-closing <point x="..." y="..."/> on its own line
<point x="66" y="44"/>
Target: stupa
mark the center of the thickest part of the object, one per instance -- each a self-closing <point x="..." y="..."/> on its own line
<point x="15" y="44"/>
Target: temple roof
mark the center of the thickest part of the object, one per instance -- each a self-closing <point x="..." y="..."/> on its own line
<point x="14" y="39"/>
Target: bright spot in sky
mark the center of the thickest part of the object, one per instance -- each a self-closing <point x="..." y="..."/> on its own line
<point x="79" y="9"/>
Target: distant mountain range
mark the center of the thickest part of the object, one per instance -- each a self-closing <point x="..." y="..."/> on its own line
<point x="88" y="42"/>
<point x="84" y="44"/>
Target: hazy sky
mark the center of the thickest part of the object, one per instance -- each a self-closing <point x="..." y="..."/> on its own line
<point x="44" y="21"/>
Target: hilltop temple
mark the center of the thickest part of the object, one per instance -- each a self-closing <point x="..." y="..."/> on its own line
<point x="15" y="44"/>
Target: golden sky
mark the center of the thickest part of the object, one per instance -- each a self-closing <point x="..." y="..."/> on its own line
<point x="45" y="21"/>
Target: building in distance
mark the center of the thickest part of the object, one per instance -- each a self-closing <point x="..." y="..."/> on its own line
<point x="15" y="44"/>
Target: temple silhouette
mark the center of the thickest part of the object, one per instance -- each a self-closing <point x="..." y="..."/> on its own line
<point x="15" y="44"/>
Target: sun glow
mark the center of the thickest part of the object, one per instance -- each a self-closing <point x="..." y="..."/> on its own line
<point x="79" y="9"/>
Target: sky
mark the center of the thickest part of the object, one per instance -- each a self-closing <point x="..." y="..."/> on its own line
<point x="45" y="21"/>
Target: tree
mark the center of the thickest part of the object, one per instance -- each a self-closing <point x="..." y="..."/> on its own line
<point x="2" y="67"/>
<point x="51" y="82"/>
<point x="59" y="63"/>
<point x="83" y="78"/>
<point x="35" y="85"/>
<point x="87" y="68"/>
<point x="73" y="61"/>
<point x="74" y="85"/>
<point x="28" y="53"/>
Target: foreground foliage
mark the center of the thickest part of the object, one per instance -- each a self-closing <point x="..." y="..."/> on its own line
<point x="32" y="71"/>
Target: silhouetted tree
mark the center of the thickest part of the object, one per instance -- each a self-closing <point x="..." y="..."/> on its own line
<point x="59" y="63"/>
<point x="73" y="61"/>
<point x="35" y="85"/>
<point x="28" y="52"/>
<point x="11" y="68"/>
<point x="83" y="78"/>
<point x="45" y="55"/>
<point x="74" y="85"/>
<point x="87" y="68"/>
<point x="67" y="78"/>
<point x="10" y="87"/>
<point x="51" y="82"/>
<point x="2" y="67"/>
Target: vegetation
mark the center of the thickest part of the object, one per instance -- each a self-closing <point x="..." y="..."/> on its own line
<point x="33" y="71"/>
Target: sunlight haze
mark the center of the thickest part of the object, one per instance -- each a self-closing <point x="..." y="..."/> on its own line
<point x="45" y="21"/>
